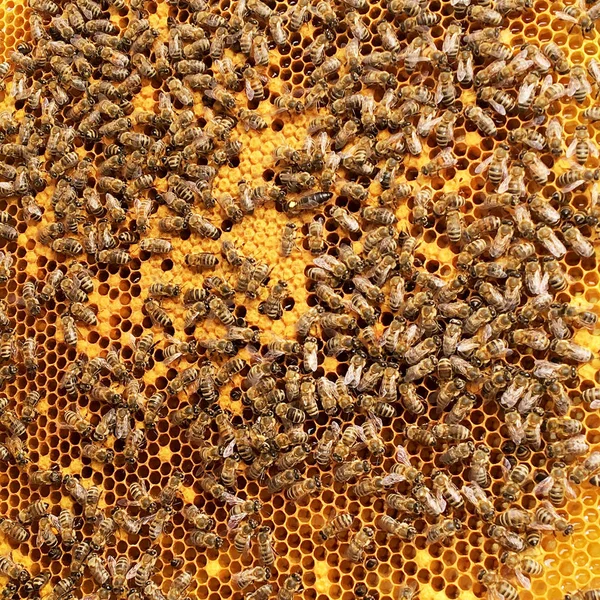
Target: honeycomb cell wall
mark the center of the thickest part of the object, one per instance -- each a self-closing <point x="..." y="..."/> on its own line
<point x="234" y="203"/>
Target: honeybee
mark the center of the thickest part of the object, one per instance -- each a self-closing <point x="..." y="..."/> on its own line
<point x="497" y="585"/>
<point x="359" y="543"/>
<point x="292" y="585"/>
<point x="443" y="531"/>
<point x="586" y="469"/>
<point x="244" y="578"/>
<point x="402" y="529"/>
<point x="97" y="453"/>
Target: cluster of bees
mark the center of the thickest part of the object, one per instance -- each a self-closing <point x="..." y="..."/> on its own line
<point x="411" y="348"/>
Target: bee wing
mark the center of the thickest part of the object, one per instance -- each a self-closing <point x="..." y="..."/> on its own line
<point x="550" y="508"/>
<point x="111" y="564"/>
<point x="572" y="186"/>
<point x="326" y="262"/>
<point x="231" y="499"/>
<point x="546" y="83"/>
<point x="393" y="478"/>
<point x="55" y="522"/>
<point x="40" y="538"/>
<point x="133" y="342"/>
<point x="469" y="494"/>
<point x="133" y="571"/>
<point x="504" y="185"/>
<point x="464" y="72"/>
<point x="449" y="42"/>
<point x="122" y="428"/>
<point x="439" y="93"/>
<point x="544" y="486"/>
<point x="543" y="284"/>
<point x="516" y="432"/>
<point x="573" y="85"/>
<point x="528" y="402"/>
<point x="417" y="142"/>
<point x="427" y="123"/>
<point x="468" y="346"/>
<point x="402" y="456"/>
<point x="361" y="433"/>
<point x="523" y="580"/>
<point x="172" y="358"/>
<point x="525" y="92"/>
<point x="440" y="500"/>
<point x="228" y="450"/>
<point x="592" y="148"/>
<point x="235" y="520"/>
<point x="353" y="374"/>
<point x="149" y="519"/>
<point x="312" y="360"/>
<point x="565" y="17"/>
<point x="541" y="526"/>
<point x="336" y="430"/>
<point x="485" y="333"/>
<point x="378" y="423"/>
<point x="143" y="486"/>
<point x="249" y="90"/>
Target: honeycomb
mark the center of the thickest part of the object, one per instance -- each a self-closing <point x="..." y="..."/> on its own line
<point x="425" y="252"/>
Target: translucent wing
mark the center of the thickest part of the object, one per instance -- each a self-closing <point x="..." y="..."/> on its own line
<point x="393" y="478"/>
<point x="465" y="70"/>
<point x="482" y="166"/>
<point x="133" y="571"/>
<point x="497" y="107"/>
<point x="565" y="17"/>
<point x="544" y="486"/>
<point x="249" y="90"/>
<point x="111" y="564"/>
<point x="228" y="450"/>
<point x="235" y="520"/>
<point x="523" y="580"/>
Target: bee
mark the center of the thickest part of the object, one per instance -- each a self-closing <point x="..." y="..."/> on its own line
<point x="97" y="453"/>
<point x="443" y="160"/>
<point x="546" y="518"/>
<point x="13" y="570"/>
<point x="402" y="529"/>
<point x="30" y="298"/>
<point x="574" y="238"/>
<point x="359" y="543"/>
<point x="74" y="421"/>
<point x="46" y="477"/>
<point x="143" y="348"/>
<point x="14" y="531"/>
<point x="113" y="257"/>
<point x="157" y="314"/>
<point x="154" y="404"/>
<point x="265" y="547"/>
<point x="205" y="539"/>
<point x="291" y="585"/>
<point x="133" y="443"/>
<point x="32" y="512"/>
<point x="586" y="469"/>
<point x="300" y="489"/>
<point x="244" y="578"/>
<point x="36" y="583"/>
<point x="244" y="535"/>
<point x="481" y="120"/>
<point x="497" y="586"/>
<point x="522" y="566"/>
<point x="555" y="485"/>
<point x="443" y="531"/>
